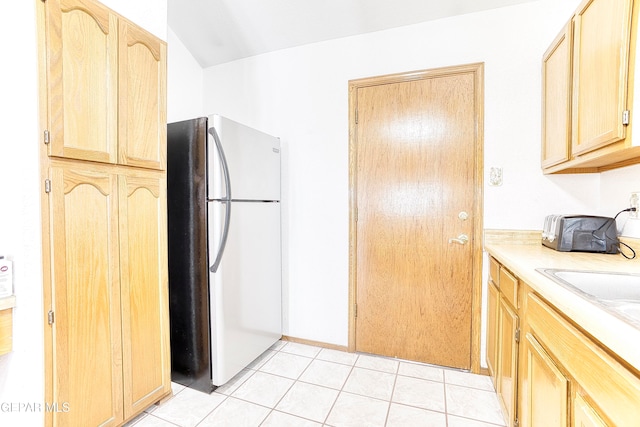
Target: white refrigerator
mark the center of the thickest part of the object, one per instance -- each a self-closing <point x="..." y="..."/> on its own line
<point x="223" y="189"/>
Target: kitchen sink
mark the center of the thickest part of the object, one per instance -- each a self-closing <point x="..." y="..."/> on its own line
<point x="618" y="293"/>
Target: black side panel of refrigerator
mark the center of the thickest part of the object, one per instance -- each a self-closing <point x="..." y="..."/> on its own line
<point x="188" y="270"/>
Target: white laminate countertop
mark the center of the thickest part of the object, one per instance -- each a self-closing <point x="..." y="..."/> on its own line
<point x="621" y="337"/>
<point x="7" y="302"/>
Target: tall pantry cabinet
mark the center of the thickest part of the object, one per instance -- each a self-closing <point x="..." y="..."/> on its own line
<point x="103" y="118"/>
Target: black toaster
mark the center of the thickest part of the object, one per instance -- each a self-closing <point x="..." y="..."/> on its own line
<point x="580" y="233"/>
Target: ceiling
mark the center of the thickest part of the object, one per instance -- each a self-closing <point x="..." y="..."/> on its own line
<point x="219" y="31"/>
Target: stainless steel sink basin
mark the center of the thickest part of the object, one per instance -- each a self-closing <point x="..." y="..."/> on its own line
<point x="619" y="293"/>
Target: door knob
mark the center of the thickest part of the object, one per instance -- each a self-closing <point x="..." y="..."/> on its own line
<point x="461" y="239"/>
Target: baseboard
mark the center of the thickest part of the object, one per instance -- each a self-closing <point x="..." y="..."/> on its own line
<point x="315" y="343"/>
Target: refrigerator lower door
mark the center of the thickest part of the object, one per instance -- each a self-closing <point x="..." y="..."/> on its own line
<point x="246" y="307"/>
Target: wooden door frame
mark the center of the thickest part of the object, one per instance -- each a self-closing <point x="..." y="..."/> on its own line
<point x="477" y="69"/>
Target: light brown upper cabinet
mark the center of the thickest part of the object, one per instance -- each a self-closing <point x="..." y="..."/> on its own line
<point x="556" y="98"/>
<point x="142" y="111"/>
<point x="587" y="92"/>
<point x="106" y="88"/>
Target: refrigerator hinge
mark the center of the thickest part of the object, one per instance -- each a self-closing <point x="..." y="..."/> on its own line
<point x="50" y="317"/>
<point x="517" y="337"/>
<point x="47" y="186"/>
<point x="47" y="138"/>
<point x="625" y="117"/>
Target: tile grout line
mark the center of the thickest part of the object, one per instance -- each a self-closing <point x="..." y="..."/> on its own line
<point x="326" y="418"/>
<point x="393" y="390"/>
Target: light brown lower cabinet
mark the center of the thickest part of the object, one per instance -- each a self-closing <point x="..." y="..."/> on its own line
<point x="502" y="339"/>
<point x="109" y="317"/>
<point x="562" y="376"/>
<point x="544" y="388"/>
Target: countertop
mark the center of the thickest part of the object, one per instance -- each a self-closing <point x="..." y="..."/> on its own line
<point x="620" y="337"/>
<point x="7" y="302"/>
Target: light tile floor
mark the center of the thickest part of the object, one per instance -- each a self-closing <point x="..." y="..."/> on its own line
<point x="296" y="385"/>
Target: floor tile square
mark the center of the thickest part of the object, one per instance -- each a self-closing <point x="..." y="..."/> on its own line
<point x="337" y="356"/>
<point x="235" y="382"/>
<point x="262" y="359"/>
<point x="377" y="363"/>
<point x="236" y="413"/>
<point x="417" y="370"/>
<point x="263" y="389"/>
<point x="278" y="345"/>
<point x="188" y="407"/>
<point x="473" y="403"/>
<point x="466" y="379"/>
<point x="326" y="374"/>
<point x="466" y="422"/>
<point x="286" y="365"/>
<point x="407" y="416"/>
<point x="370" y="383"/>
<point x="301" y="349"/>
<point x="151" y="421"/>
<point x="421" y="393"/>
<point x="279" y="419"/>
<point x="351" y="410"/>
<point x="308" y="401"/>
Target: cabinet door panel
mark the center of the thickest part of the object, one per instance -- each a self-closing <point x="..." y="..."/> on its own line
<point x="584" y="415"/>
<point x="142" y="113"/>
<point x="492" y="332"/>
<point x="87" y="352"/>
<point x="556" y="99"/>
<point x="143" y="253"/>
<point x="82" y="40"/>
<point x="546" y="388"/>
<point x="602" y="34"/>
<point x="508" y="359"/>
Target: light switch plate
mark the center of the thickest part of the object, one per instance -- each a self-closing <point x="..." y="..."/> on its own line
<point x="495" y="176"/>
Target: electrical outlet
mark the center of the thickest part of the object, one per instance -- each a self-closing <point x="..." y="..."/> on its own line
<point x="634" y="202"/>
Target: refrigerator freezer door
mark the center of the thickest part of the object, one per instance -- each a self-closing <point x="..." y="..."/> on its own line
<point x="246" y="312"/>
<point x="253" y="159"/>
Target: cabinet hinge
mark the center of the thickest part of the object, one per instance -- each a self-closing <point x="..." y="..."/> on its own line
<point x="356" y="116"/>
<point x="516" y="423"/>
<point x="50" y="317"/>
<point x="517" y="337"/>
<point x="625" y="117"/>
<point x="47" y="186"/>
<point x="47" y="138"/>
<point x="356" y="214"/>
<point x="355" y="310"/>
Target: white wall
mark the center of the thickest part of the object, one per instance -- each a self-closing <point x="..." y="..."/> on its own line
<point x="22" y="371"/>
<point x="300" y="94"/>
<point x="185" y="82"/>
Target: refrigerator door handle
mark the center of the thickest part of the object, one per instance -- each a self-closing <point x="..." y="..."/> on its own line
<point x="225" y="200"/>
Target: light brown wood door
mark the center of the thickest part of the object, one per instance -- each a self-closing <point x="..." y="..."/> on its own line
<point x="82" y="72"/>
<point x="416" y="188"/>
<point x="142" y="112"/>
<point x="87" y="356"/>
<point x="143" y="263"/>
